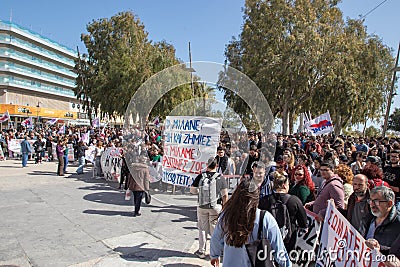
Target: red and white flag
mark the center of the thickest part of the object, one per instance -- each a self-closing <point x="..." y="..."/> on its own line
<point x="5" y="117"/>
<point x="28" y="123"/>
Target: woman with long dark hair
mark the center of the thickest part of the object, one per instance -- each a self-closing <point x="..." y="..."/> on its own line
<point x="238" y="225"/>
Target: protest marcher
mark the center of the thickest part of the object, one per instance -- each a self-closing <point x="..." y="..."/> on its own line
<point x="332" y="189"/>
<point x="359" y="164"/>
<point x="213" y="194"/>
<point x="238" y="225"/>
<point x="383" y="224"/>
<point x="357" y="206"/>
<point x="25" y="151"/>
<point x="303" y="186"/>
<point x="374" y="175"/>
<point x="60" y="156"/>
<point x="81" y="156"/>
<point x="39" y="146"/>
<point x="222" y="160"/>
<point x="316" y="175"/>
<point x="253" y="156"/>
<point x="345" y="173"/>
<point x="97" y="172"/>
<point x="138" y="183"/>
<point x="297" y="213"/>
<point x="392" y="174"/>
<point x="66" y="149"/>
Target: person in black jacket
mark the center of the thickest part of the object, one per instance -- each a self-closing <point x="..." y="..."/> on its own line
<point x="81" y="156"/>
<point x="39" y="147"/>
<point x="297" y="212"/>
<point x="383" y="224"/>
<point x="222" y="160"/>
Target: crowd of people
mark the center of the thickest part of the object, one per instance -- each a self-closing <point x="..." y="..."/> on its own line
<point x="361" y="176"/>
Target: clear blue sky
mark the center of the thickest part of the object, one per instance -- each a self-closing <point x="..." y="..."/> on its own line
<point x="208" y="24"/>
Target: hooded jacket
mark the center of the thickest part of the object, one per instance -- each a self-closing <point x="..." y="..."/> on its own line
<point x="140" y="177"/>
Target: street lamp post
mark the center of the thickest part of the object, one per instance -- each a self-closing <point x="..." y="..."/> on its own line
<point x="390" y="98"/>
<point x="37" y="113"/>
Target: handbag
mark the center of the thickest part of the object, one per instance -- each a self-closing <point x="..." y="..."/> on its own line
<point x="147" y="197"/>
<point x="259" y="251"/>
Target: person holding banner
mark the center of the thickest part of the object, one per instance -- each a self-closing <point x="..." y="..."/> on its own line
<point x="332" y="189"/>
<point x="383" y="224"/>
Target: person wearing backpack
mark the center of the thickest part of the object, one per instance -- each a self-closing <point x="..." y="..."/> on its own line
<point x="287" y="209"/>
<point x="212" y="190"/>
<point x="237" y="232"/>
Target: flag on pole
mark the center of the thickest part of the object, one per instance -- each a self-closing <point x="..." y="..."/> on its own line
<point x="5" y="117"/>
<point x="96" y="122"/>
<point x="103" y="134"/>
<point x="52" y="121"/>
<point x="62" y="129"/>
<point x="28" y="123"/>
<point x="320" y="125"/>
<point x="85" y="138"/>
<point x="156" y="121"/>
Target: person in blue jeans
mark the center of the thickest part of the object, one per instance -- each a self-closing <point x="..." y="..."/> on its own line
<point x="66" y="155"/>
<point x="25" y="151"/>
<point x="81" y="156"/>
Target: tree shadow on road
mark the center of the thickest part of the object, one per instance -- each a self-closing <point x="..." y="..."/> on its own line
<point x="113" y="198"/>
<point x="143" y="254"/>
<point x="188" y="213"/>
<point x="109" y="213"/>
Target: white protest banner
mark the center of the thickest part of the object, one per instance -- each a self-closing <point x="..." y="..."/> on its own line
<point x="189" y="143"/>
<point x="15" y="145"/>
<point x="90" y="153"/>
<point x="54" y="150"/>
<point x="306" y="242"/>
<point x="111" y="163"/>
<point x="320" y="125"/>
<point x="71" y="154"/>
<point x="342" y="245"/>
<point x="1" y="154"/>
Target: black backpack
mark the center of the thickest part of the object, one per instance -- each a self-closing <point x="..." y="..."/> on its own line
<point x="277" y="207"/>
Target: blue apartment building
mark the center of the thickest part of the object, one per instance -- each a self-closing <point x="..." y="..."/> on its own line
<point x="36" y="77"/>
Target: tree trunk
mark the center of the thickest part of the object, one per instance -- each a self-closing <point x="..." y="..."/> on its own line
<point x="285" y="119"/>
<point x="291" y="123"/>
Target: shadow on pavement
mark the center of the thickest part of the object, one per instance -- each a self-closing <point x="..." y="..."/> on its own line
<point x="140" y="253"/>
<point x="109" y="213"/>
<point x="180" y="265"/>
<point x="114" y="198"/>
<point x="188" y="213"/>
<point x="44" y="173"/>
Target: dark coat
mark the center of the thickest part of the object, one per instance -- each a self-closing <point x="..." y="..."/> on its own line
<point x="387" y="234"/>
<point x="351" y="204"/>
<point x="141" y="179"/>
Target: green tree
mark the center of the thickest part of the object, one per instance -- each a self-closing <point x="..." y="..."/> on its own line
<point x="371" y="131"/>
<point x="394" y="120"/>
<point x="120" y="59"/>
<point x="295" y="51"/>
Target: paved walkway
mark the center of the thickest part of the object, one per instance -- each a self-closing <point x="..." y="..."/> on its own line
<point x="47" y="220"/>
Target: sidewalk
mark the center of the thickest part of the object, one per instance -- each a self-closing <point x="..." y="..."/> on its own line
<point x="48" y="220"/>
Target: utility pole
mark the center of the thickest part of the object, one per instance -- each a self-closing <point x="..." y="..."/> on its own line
<point x="389" y="103"/>
<point x="191" y="79"/>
